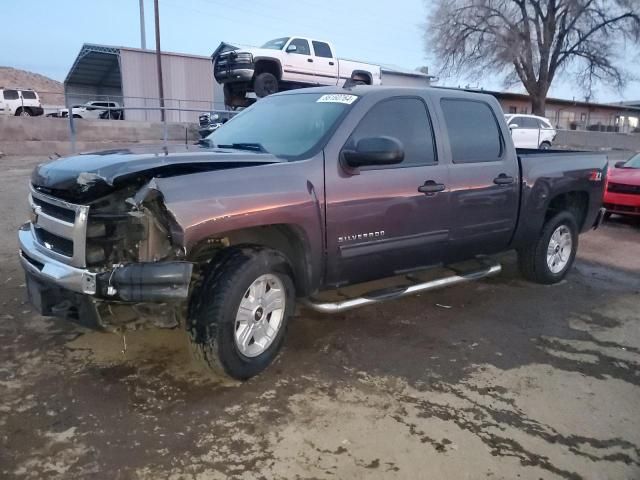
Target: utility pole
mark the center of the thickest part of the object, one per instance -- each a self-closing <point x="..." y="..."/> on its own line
<point x="159" y="61"/>
<point x="143" y="36"/>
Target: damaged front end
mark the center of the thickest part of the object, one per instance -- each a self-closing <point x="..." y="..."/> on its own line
<point x="110" y="262"/>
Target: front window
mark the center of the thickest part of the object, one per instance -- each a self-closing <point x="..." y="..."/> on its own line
<point x="288" y="126"/>
<point x="633" y="162"/>
<point x="277" y="44"/>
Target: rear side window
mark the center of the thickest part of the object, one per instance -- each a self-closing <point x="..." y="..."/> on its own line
<point x="528" y="122"/>
<point x="406" y="120"/>
<point x="322" y="49"/>
<point x="474" y="134"/>
<point x="544" y="124"/>
<point x="11" y="95"/>
<point x="28" y="95"/>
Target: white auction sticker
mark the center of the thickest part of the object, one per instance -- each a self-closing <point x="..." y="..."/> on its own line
<point x="337" y="98"/>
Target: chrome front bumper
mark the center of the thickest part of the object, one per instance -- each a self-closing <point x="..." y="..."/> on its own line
<point x="47" y="269"/>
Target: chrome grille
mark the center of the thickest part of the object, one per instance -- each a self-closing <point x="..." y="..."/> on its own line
<point x="59" y="227"/>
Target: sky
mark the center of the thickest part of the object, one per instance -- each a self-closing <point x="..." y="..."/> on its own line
<point x="45" y="36"/>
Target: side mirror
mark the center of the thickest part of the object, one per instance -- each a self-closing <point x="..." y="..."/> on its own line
<point x="619" y="164"/>
<point x="513" y="126"/>
<point x="373" y="151"/>
<point x="292" y="49"/>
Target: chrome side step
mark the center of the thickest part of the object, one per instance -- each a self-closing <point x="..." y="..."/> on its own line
<point x="489" y="268"/>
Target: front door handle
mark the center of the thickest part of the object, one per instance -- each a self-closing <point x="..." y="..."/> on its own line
<point x="430" y="187"/>
<point x="309" y="59"/>
<point x="503" y="179"/>
<point x="331" y="63"/>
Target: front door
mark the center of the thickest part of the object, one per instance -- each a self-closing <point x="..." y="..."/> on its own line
<point x="526" y="133"/>
<point x="379" y="222"/>
<point x="298" y="62"/>
<point x="484" y="179"/>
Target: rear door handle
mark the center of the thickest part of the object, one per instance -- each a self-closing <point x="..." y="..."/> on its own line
<point x="309" y="59"/>
<point x="330" y="63"/>
<point x="430" y="187"/>
<point x="503" y="179"/>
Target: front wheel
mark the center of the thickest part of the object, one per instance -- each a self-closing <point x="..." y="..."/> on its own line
<point x="23" y="112"/>
<point x="549" y="258"/>
<point x="265" y="84"/>
<point x="240" y="314"/>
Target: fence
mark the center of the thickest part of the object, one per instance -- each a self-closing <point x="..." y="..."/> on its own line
<point x="617" y="122"/>
<point x="117" y="107"/>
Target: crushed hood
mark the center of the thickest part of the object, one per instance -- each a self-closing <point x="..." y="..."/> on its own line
<point x="87" y="176"/>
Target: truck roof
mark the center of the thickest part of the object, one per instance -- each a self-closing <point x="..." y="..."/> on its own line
<point x="365" y="90"/>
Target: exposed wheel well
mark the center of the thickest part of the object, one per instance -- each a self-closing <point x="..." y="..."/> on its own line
<point x="267" y="66"/>
<point x="575" y="202"/>
<point x="361" y="76"/>
<point x="287" y="239"/>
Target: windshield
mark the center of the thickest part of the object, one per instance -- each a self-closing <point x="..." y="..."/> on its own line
<point x="277" y="44"/>
<point x="288" y="126"/>
<point x="633" y="162"/>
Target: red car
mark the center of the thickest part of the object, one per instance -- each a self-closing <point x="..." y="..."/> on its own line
<point x="623" y="190"/>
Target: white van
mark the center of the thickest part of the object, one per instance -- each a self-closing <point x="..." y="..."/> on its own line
<point x="22" y="102"/>
<point x="531" y="131"/>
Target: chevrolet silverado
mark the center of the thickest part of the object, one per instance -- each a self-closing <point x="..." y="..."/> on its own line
<point x="303" y="192"/>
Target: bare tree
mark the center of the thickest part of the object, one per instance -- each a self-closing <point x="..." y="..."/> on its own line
<point x="535" y="40"/>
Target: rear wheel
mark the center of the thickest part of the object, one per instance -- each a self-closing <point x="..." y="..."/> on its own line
<point x="545" y="146"/>
<point x="548" y="259"/>
<point x="265" y="84"/>
<point x="240" y="314"/>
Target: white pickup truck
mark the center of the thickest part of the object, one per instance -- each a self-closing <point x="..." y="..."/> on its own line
<point x="283" y="64"/>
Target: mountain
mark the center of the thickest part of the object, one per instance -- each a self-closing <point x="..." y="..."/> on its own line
<point x="51" y="91"/>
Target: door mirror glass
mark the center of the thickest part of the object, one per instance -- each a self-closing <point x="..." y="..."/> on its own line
<point x="374" y="151"/>
<point x="620" y="164"/>
<point x="292" y="49"/>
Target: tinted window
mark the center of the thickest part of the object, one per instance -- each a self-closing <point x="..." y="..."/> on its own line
<point x="302" y="46"/>
<point x="473" y="131"/>
<point x="404" y="119"/>
<point x="11" y="95"/>
<point x="28" y="95"/>
<point x="528" y="122"/>
<point x="322" y="49"/>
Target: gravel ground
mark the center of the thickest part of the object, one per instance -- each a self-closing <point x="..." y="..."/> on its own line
<point x="496" y="379"/>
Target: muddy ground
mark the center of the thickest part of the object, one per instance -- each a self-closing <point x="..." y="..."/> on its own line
<point x="497" y="379"/>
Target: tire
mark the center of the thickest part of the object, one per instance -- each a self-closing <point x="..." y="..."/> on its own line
<point x="23" y="112"/>
<point x="217" y="324"/>
<point x="265" y="84"/>
<point x="545" y="146"/>
<point x="607" y="216"/>
<point x="533" y="259"/>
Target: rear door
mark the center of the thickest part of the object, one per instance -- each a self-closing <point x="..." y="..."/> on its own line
<point x="298" y="62"/>
<point x="484" y="178"/>
<point x="378" y="222"/>
<point x="326" y="66"/>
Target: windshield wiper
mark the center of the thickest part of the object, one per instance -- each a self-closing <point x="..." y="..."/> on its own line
<point x="254" y="147"/>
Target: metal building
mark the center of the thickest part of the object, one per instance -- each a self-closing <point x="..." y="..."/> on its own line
<point x="129" y="77"/>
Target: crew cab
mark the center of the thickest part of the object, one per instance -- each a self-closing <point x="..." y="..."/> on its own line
<point x="303" y="192"/>
<point x="282" y="64"/>
<point x="531" y="131"/>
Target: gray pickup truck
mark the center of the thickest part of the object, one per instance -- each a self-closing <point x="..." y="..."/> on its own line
<point x="304" y="192"/>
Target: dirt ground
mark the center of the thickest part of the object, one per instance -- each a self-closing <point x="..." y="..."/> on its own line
<point x="497" y="379"/>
